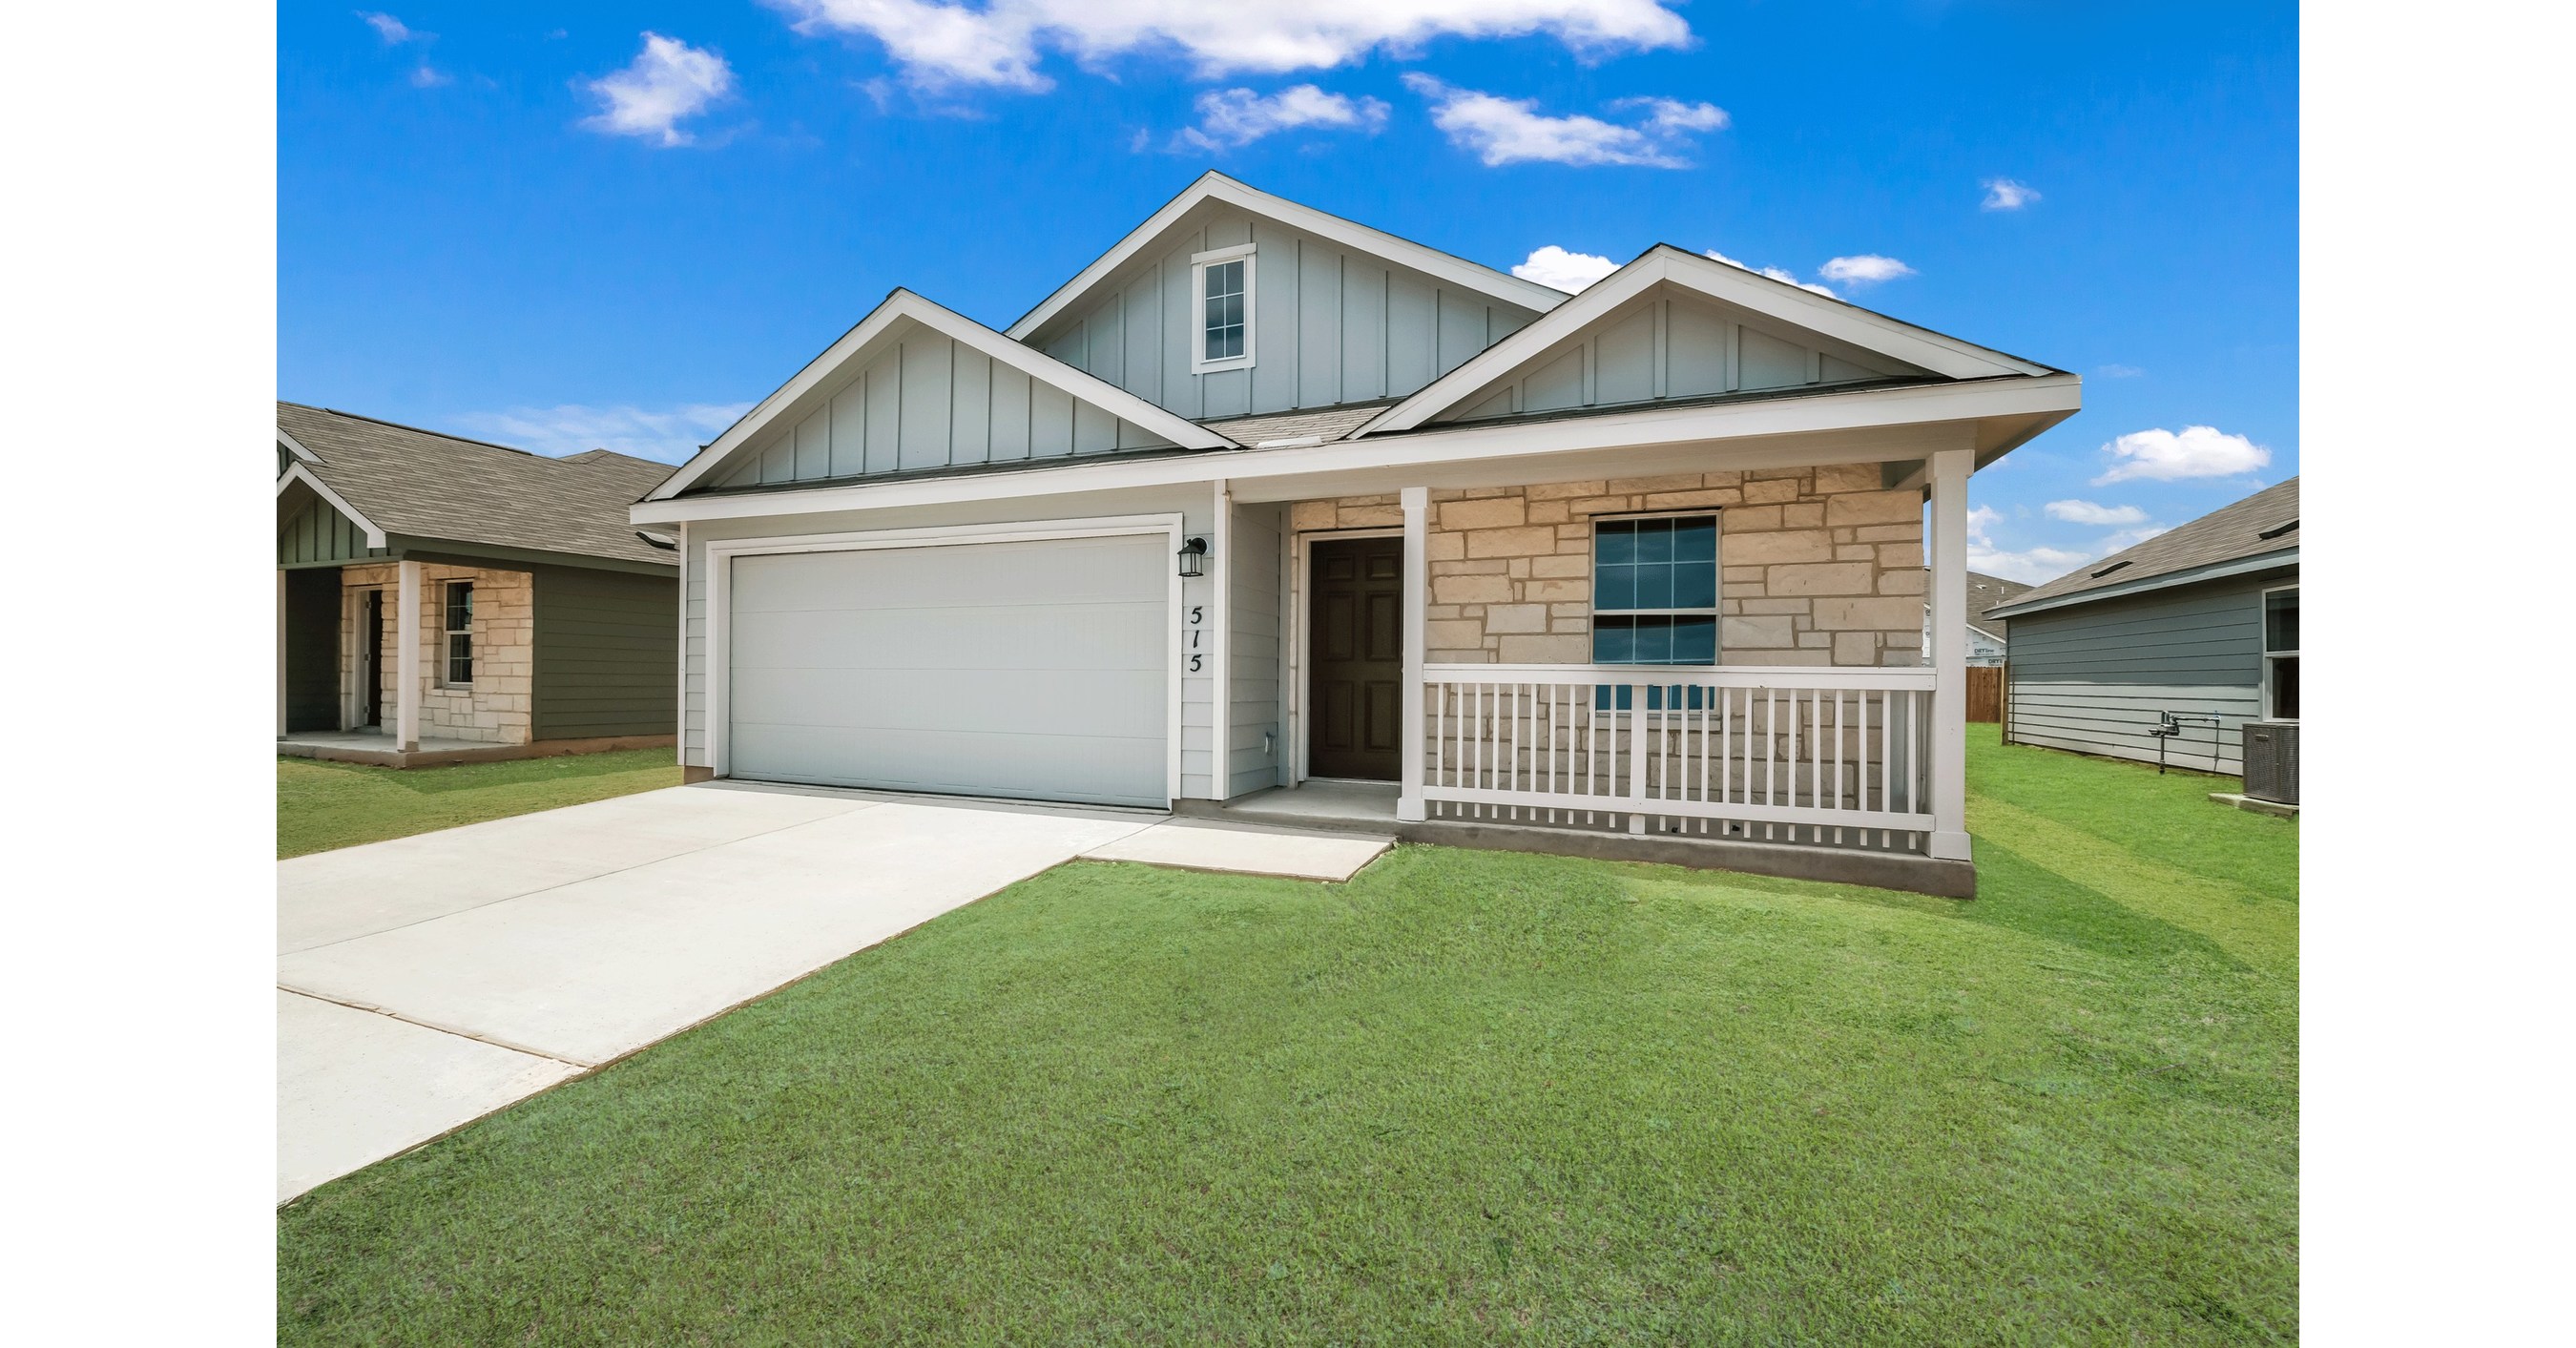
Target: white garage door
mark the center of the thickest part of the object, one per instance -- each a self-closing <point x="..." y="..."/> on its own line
<point x="1036" y="670"/>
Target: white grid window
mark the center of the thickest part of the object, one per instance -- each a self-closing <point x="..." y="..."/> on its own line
<point x="1224" y="296"/>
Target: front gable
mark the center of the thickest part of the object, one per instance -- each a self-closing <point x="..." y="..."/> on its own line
<point x="916" y="388"/>
<point x="1340" y="313"/>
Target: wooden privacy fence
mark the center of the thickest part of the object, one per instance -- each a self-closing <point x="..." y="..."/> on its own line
<point x="1985" y="693"/>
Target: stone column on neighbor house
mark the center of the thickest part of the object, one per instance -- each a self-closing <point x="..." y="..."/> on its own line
<point x="407" y="674"/>
<point x="1949" y="575"/>
<point x="1416" y="504"/>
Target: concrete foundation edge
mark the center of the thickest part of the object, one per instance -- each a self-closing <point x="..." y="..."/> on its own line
<point x="1878" y="870"/>
<point x="496" y="753"/>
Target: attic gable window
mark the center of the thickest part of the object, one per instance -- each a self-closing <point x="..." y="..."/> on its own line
<point x="1223" y="291"/>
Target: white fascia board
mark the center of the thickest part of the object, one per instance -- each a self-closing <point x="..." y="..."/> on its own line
<point x="1213" y="186"/>
<point x="1245" y="470"/>
<point x="297" y="472"/>
<point x="1663" y="263"/>
<point x="904" y="304"/>
<point x="296" y="447"/>
<point x="2167" y="580"/>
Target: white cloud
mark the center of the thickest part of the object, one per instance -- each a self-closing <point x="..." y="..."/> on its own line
<point x="2031" y="566"/>
<point x="2130" y="538"/>
<point x="669" y="436"/>
<point x="394" y="31"/>
<point x="1570" y="272"/>
<point x="1775" y="273"/>
<point x="425" y="76"/>
<point x="1230" y="117"/>
<point x="2003" y="194"/>
<point x="1863" y="269"/>
<point x="2086" y="512"/>
<point x="1001" y="44"/>
<point x="2117" y="371"/>
<point x="1513" y="131"/>
<point x="1672" y="116"/>
<point x="2165" y="456"/>
<point x="669" y="80"/>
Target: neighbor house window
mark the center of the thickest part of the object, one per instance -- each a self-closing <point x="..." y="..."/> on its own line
<point x="2281" y="654"/>
<point x="1225" y="309"/>
<point x="460" y="632"/>
<point x="1654" y="592"/>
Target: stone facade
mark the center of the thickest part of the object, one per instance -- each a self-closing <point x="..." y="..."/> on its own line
<point x="1817" y="566"/>
<point x="495" y="710"/>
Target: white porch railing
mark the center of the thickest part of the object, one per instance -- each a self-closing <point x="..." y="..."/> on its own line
<point x="1831" y="756"/>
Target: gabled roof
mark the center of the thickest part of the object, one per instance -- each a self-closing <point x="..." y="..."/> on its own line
<point x="1214" y="186"/>
<point x="1988" y="592"/>
<point x="2254" y="534"/>
<point x="394" y="479"/>
<point x="1320" y="423"/>
<point x="1662" y="264"/>
<point x="903" y="306"/>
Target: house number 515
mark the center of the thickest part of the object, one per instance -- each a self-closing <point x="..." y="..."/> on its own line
<point x="1198" y="658"/>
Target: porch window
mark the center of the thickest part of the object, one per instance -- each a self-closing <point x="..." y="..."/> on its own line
<point x="2281" y="654"/>
<point x="1225" y="310"/>
<point x="1654" y="595"/>
<point x="460" y="633"/>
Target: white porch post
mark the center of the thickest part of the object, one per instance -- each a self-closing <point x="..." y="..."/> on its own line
<point x="281" y="652"/>
<point x="1950" y="469"/>
<point x="1417" y="592"/>
<point x="1221" y="646"/>
<point x="407" y="657"/>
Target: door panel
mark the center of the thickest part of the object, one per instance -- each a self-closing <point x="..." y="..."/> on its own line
<point x="1356" y="676"/>
<point x="313" y="648"/>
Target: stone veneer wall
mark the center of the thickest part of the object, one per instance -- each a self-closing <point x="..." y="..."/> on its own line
<point x="496" y="709"/>
<point x="1817" y="565"/>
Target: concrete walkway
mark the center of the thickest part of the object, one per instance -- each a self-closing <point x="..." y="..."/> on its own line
<point x="427" y="981"/>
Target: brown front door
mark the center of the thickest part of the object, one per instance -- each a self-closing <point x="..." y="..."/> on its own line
<point x="1356" y="671"/>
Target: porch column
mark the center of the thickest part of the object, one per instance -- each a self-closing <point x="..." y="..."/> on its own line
<point x="1221" y="646"/>
<point x="407" y="657"/>
<point x="1417" y="592"/>
<point x="1950" y="469"/>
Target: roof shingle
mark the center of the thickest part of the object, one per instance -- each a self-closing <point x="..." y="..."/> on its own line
<point x="2249" y="528"/>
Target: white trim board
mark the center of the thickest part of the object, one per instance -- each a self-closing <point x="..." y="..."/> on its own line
<point x="1894" y="420"/>
<point x="296" y="447"/>
<point x="1665" y="264"/>
<point x="899" y="307"/>
<point x="1214" y="186"/>
<point x="719" y="593"/>
<point x="297" y="472"/>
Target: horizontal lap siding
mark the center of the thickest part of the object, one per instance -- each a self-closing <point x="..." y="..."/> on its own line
<point x="603" y="654"/>
<point x="2097" y="677"/>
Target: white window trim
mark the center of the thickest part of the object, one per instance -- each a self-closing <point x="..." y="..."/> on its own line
<point x="1716" y="611"/>
<point x="447" y="634"/>
<point x="1199" y="264"/>
<point x="2268" y="654"/>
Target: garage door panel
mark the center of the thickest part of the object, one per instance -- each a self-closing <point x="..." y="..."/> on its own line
<point x="1037" y="669"/>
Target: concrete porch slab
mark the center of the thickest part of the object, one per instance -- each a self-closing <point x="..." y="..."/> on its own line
<point x="1243" y="849"/>
<point x="354" y="1087"/>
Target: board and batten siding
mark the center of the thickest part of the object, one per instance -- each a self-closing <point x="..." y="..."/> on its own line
<point x="1670" y="344"/>
<point x="314" y="534"/>
<point x="1258" y="543"/>
<point x="928" y="402"/>
<point x="1329" y="325"/>
<point x="1195" y="505"/>
<point x="600" y="658"/>
<point x="2094" y="677"/>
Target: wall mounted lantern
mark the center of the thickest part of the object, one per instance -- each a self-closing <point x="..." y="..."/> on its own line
<point x="1194" y="559"/>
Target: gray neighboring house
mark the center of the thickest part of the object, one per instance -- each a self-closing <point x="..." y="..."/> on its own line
<point x="1988" y="641"/>
<point x="446" y="600"/>
<point x="2201" y="622"/>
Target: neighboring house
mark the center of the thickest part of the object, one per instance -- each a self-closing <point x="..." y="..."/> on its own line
<point x="2202" y="622"/>
<point x="1987" y="642"/>
<point x="441" y="599"/>
<point x="1264" y="497"/>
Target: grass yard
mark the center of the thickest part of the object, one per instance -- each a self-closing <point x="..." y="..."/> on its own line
<point x="1469" y="1097"/>
<point x="325" y="805"/>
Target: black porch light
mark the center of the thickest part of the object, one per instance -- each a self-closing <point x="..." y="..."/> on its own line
<point x="1193" y="559"/>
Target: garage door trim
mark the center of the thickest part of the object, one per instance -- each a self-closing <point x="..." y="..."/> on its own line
<point x="722" y="552"/>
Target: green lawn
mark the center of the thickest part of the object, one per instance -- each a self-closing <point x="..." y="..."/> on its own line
<point x="325" y="805"/>
<point x="1467" y="1097"/>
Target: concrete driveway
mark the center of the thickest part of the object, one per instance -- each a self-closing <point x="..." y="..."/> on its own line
<point x="428" y="981"/>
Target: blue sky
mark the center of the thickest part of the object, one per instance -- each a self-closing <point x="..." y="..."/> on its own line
<point x="535" y="224"/>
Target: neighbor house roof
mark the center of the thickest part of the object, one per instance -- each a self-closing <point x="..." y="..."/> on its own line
<point x="429" y="486"/>
<point x="2257" y="533"/>
<point x="1988" y="592"/>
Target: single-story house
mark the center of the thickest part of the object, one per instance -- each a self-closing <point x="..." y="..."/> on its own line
<point x="2201" y="622"/>
<point x="445" y="600"/>
<point x="1268" y="512"/>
